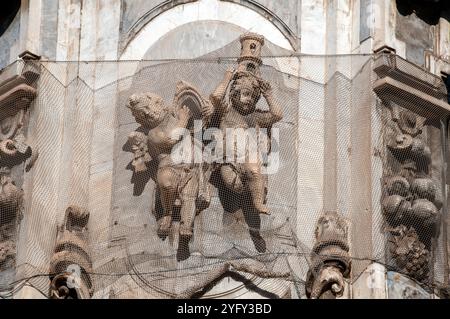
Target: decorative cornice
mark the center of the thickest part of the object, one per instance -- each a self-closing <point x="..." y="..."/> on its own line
<point x="410" y="86"/>
<point x="27" y="56"/>
<point x="17" y="91"/>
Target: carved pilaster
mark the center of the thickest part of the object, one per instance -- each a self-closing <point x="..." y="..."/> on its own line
<point x="71" y="264"/>
<point x="412" y="197"/>
<point x="330" y="259"/>
<point x="17" y="91"/>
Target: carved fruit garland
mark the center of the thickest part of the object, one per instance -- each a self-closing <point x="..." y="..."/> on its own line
<point x="411" y="200"/>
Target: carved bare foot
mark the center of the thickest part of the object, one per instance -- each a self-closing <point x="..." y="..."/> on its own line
<point x="258" y="241"/>
<point x="164" y="226"/>
<point x="183" y="252"/>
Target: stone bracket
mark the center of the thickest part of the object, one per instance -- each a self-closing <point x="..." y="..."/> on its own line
<point x="410" y="86"/>
<point x="413" y="99"/>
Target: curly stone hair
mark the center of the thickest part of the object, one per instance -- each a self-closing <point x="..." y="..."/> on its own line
<point x="246" y="80"/>
<point x="147" y="108"/>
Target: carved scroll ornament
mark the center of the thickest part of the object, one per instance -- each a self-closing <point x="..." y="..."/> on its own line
<point x="71" y="264"/>
<point x="330" y="259"/>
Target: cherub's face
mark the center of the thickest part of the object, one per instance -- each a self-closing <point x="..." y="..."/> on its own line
<point x="244" y="95"/>
<point x="148" y="109"/>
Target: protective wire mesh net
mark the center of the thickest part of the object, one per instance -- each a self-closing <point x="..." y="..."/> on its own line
<point x="332" y="151"/>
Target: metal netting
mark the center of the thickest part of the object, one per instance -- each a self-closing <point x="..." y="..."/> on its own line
<point x="333" y="152"/>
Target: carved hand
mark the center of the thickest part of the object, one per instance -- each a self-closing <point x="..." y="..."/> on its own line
<point x="266" y="88"/>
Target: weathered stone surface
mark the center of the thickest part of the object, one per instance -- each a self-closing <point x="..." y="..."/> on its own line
<point x="334" y="137"/>
<point x="428" y="10"/>
<point x="285" y="15"/>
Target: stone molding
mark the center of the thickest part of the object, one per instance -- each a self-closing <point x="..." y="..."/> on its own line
<point x="410" y="86"/>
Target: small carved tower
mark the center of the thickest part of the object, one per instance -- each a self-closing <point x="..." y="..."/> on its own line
<point x="250" y="58"/>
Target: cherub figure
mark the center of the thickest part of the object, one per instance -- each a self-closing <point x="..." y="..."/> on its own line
<point x="174" y="180"/>
<point x="240" y="112"/>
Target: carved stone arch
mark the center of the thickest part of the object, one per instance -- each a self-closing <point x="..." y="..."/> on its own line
<point x="167" y="5"/>
<point x="149" y="15"/>
<point x="275" y="19"/>
<point x="168" y="16"/>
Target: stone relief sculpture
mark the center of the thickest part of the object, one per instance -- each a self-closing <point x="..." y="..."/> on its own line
<point x="330" y="258"/>
<point x="71" y="264"/>
<point x="239" y="111"/>
<point x="412" y="199"/>
<point x="16" y="156"/>
<point x="179" y="184"/>
<point x="240" y="182"/>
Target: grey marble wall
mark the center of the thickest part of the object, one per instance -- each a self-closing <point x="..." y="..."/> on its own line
<point x="136" y="13"/>
<point x="9" y="42"/>
<point x="132" y="11"/>
<point x="49" y="29"/>
<point x="417" y="36"/>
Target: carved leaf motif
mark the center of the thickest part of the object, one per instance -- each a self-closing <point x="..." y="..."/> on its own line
<point x="409" y="252"/>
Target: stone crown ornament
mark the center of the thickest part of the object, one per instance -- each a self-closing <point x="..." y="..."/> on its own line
<point x="250" y="57"/>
